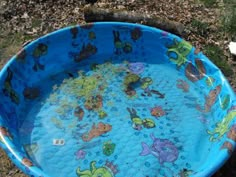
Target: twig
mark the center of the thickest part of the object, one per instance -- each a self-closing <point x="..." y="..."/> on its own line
<point x="92" y="14"/>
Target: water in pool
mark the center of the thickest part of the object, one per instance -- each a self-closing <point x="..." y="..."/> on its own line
<point x="118" y="119"/>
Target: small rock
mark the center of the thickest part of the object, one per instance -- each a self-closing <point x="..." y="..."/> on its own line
<point x="25" y="16"/>
<point x="232" y="48"/>
<point x="120" y="7"/>
<point x="101" y="4"/>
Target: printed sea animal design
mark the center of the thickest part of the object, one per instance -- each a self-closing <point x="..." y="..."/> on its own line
<point x="227" y="145"/>
<point x="31" y="93"/>
<point x="148" y="123"/>
<point x="108" y="148"/>
<point x="150" y="92"/>
<point x="109" y="170"/>
<point x="210" y="99"/>
<point x="164" y="150"/>
<point x="225" y="102"/>
<point x="232" y="133"/>
<point x="79" y="113"/>
<point x="94" y="102"/>
<point x="5" y="133"/>
<point x="86" y="52"/>
<point x="129" y="81"/>
<point x="157" y="111"/>
<point x="160" y="95"/>
<point x="96" y="130"/>
<point x="102" y="114"/>
<point x="25" y="161"/>
<point x="233" y="107"/>
<point x="146" y="82"/>
<point x="136" y="33"/>
<point x="58" y="123"/>
<point x="183" y="85"/>
<point x="74" y="31"/>
<point x="120" y="45"/>
<point x="195" y="73"/>
<point x="31" y="149"/>
<point x="127" y="48"/>
<point x="210" y="81"/>
<point x="8" y="89"/>
<point x="136" y="68"/>
<point x="39" y="51"/>
<point x="80" y="154"/>
<point x="178" y="52"/>
<point x="138" y="122"/>
<point x="92" y="35"/>
<point x="117" y="41"/>
<point x="185" y="173"/>
<point x="222" y="127"/>
<point x="21" y="55"/>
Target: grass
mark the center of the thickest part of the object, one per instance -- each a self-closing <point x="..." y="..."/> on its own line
<point x="9" y="45"/>
<point x="36" y="22"/>
<point x="228" y="14"/>
<point x="200" y="28"/>
<point x="216" y="55"/>
<point x="209" y="3"/>
<point x="229" y="20"/>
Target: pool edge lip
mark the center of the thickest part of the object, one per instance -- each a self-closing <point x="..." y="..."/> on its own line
<point x="222" y="157"/>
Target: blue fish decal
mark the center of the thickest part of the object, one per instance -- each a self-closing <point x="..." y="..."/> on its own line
<point x="163" y="149"/>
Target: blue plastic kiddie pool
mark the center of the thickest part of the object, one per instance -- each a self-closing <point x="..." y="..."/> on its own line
<point x="115" y="100"/>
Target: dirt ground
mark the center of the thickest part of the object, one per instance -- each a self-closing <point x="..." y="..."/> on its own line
<point x="23" y="20"/>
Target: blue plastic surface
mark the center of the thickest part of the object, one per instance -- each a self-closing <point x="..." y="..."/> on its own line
<point x="115" y="99"/>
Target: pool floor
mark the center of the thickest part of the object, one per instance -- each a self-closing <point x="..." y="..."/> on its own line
<point x="117" y="119"/>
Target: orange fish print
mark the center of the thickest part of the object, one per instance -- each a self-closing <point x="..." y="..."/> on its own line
<point x="96" y="131"/>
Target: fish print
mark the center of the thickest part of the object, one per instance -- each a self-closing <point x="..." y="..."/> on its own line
<point x="228" y="146"/>
<point x="210" y="99"/>
<point x="80" y="154"/>
<point x="8" y="89"/>
<point x="58" y="123"/>
<point x="136" y="33"/>
<point x="86" y="52"/>
<point x="157" y="112"/>
<point x="163" y="149"/>
<point x="183" y="85"/>
<point x="79" y="113"/>
<point x="74" y="31"/>
<point x="5" y="133"/>
<point x="21" y="55"/>
<point x="31" y="93"/>
<point x="38" y="52"/>
<point x="160" y="95"/>
<point x="96" y="130"/>
<point x="225" y="102"/>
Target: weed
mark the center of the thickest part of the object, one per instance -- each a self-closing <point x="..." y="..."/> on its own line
<point x="216" y="55"/>
<point x="36" y="22"/>
<point x="209" y="3"/>
<point x="229" y="20"/>
<point x="200" y="28"/>
<point x="9" y="45"/>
